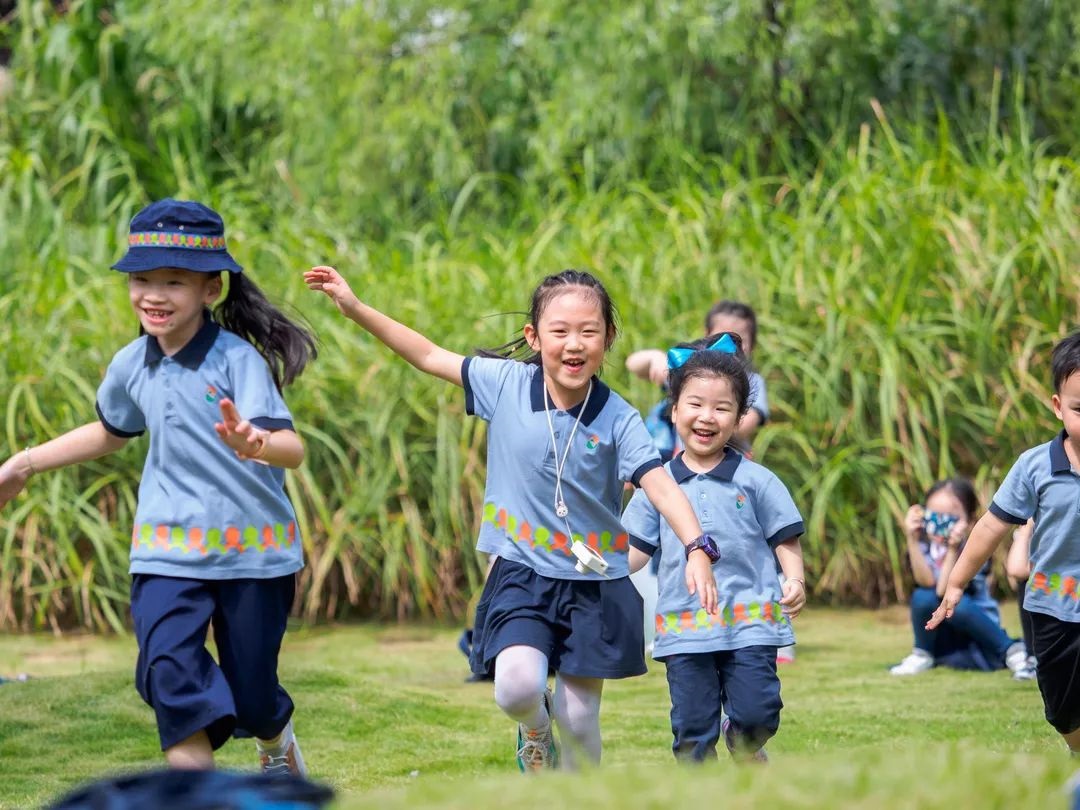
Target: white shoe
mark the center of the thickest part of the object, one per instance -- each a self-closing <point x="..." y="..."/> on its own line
<point x="918" y="661"/>
<point x="536" y="749"/>
<point x="1027" y="672"/>
<point x="284" y="758"/>
<point x="1016" y="657"/>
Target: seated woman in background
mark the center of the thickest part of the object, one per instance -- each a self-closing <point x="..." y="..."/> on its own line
<point x="973" y="638"/>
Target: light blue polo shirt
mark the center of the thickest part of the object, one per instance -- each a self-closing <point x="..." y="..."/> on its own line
<point x="1043" y="485"/>
<point x="749" y="511"/>
<point x="203" y="513"/>
<point x="611" y="446"/>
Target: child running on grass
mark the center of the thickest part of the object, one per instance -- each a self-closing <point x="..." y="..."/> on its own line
<point x="560" y="446"/>
<point x="207" y="387"/>
<point x="721" y="668"/>
<point x="1043" y="484"/>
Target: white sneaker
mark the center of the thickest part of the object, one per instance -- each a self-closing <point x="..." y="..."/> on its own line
<point x="918" y="661"/>
<point x="284" y="758"/>
<point x="1016" y="657"/>
<point x="1027" y="672"/>
<point x="536" y="749"/>
<point x="785" y="655"/>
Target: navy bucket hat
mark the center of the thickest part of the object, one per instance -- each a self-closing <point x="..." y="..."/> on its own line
<point x="177" y="233"/>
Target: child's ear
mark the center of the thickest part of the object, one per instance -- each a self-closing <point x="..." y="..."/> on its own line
<point x="1055" y="401"/>
<point x="531" y="337"/>
<point x="213" y="289"/>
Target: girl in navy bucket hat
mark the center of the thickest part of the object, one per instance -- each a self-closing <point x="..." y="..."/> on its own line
<point x="215" y="541"/>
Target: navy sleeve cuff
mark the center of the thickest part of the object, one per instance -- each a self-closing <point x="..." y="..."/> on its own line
<point x="787" y="533"/>
<point x="642" y="545"/>
<point x="470" y="404"/>
<point x="651" y="464"/>
<point x="1008" y="517"/>
<point x="269" y="423"/>
<point x="115" y="431"/>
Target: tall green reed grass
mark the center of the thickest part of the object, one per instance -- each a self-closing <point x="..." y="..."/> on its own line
<point x="910" y="279"/>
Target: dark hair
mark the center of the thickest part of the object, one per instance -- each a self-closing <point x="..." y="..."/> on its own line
<point x="285" y="346"/>
<point x="738" y="310"/>
<point x="704" y="363"/>
<point x="964" y="491"/>
<point x="1065" y="360"/>
<point x="552" y="286"/>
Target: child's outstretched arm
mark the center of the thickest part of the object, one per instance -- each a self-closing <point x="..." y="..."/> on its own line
<point x="671" y="502"/>
<point x="408" y="343"/>
<point x="789" y="553"/>
<point x="649" y="364"/>
<point x="278" y="448"/>
<point x="84" y="443"/>
<point x="984" y="538"/>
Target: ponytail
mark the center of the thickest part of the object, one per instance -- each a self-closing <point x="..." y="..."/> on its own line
<point x="285" y="346"/>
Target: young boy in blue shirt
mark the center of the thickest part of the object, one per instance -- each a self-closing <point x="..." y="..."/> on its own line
<point x="1043" y="484"/>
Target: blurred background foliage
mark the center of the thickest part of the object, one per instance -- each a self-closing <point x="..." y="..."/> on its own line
<point x="890" y="183"/>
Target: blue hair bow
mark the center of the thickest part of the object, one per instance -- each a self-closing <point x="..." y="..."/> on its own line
<point x="678" y="356"/>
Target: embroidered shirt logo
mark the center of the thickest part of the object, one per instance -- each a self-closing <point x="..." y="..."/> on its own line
<point x="740" y="501"/>
<point x="592" y="443"/>
<point x="211" y="394"/>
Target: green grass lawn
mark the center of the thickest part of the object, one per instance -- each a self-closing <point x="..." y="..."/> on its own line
<point x="384" y="717"/>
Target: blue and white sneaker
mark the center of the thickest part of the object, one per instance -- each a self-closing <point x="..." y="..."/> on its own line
<point x="283" y="758"/>
<point x="536" y="749"/>
<point x="1027" y="671"/>
<point x="740" y="755"/>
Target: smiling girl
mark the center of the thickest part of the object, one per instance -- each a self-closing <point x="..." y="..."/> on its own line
<point x="721" y="668"/>
<point x="207" y="387"/>
<point x="560" y="446"/>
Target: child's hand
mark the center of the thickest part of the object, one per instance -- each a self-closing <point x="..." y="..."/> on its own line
<point x="246" y="440"/>
<point x="794" y="597"/>
<point x="913" y="522"/>
<point x="658" y="370"/>
<point x="700" y="579"/>
<point x="945" y="610"/>
<point x="958" y="533"/>
<point x="330" y="281"/>
<point x="14" y="473"/>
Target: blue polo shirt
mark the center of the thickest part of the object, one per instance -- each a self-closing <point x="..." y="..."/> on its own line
<point x="203" y="513"/>
<point x="1043" y="485"/>
<point x="749" y="511"/>
<point x="611" y="446"/>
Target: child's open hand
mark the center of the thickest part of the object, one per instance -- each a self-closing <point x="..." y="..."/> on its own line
<point x="794" y="598"/>
<point x="328" y="280"/>
<point x="700" y="580"/>
<point x="246" y="440"/>
<point x="14" y="473"/>
<point x="958" y="533"/>
<point x="945" y="610"/>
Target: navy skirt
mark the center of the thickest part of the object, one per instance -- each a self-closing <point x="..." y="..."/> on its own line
<point x="586" y="628"/>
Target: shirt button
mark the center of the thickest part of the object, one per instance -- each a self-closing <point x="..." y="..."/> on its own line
<point x="702" y="496"/>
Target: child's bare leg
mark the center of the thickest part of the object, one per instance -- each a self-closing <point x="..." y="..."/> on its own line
<point x="577" y="713"/>
<point x="1072" y="739"/>
<point x="194" y="753"/>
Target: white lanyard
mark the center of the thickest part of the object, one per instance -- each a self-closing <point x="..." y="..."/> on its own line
<point x="560" y="464"/>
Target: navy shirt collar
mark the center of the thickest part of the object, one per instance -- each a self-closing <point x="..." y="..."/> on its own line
<point x="724" y="471"/>
<point x="597" y="399"/>
<point x="1059" y="460"/>
<point x="192" y="354"/>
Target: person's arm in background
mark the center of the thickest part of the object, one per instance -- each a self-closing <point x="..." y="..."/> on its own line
<point x="920" y="568"/>
<point x="1017" y="562"/>
<point x="649" y="364"/>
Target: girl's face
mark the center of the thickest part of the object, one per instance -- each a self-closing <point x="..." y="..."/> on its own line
<point x="170" y="303"/>
<point x="705" y="417"/>
<point x="571" y="339"/>
<point x="732" y="323"/>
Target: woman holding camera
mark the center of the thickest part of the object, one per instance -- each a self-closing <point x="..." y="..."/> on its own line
<point x="973" y="638"/>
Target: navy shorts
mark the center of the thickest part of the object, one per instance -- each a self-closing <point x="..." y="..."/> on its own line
<point x="1057" y="649"/>
<point x="175" y="672"/>
<point x="742" y="682"/>
<point x="587" y="629"/>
